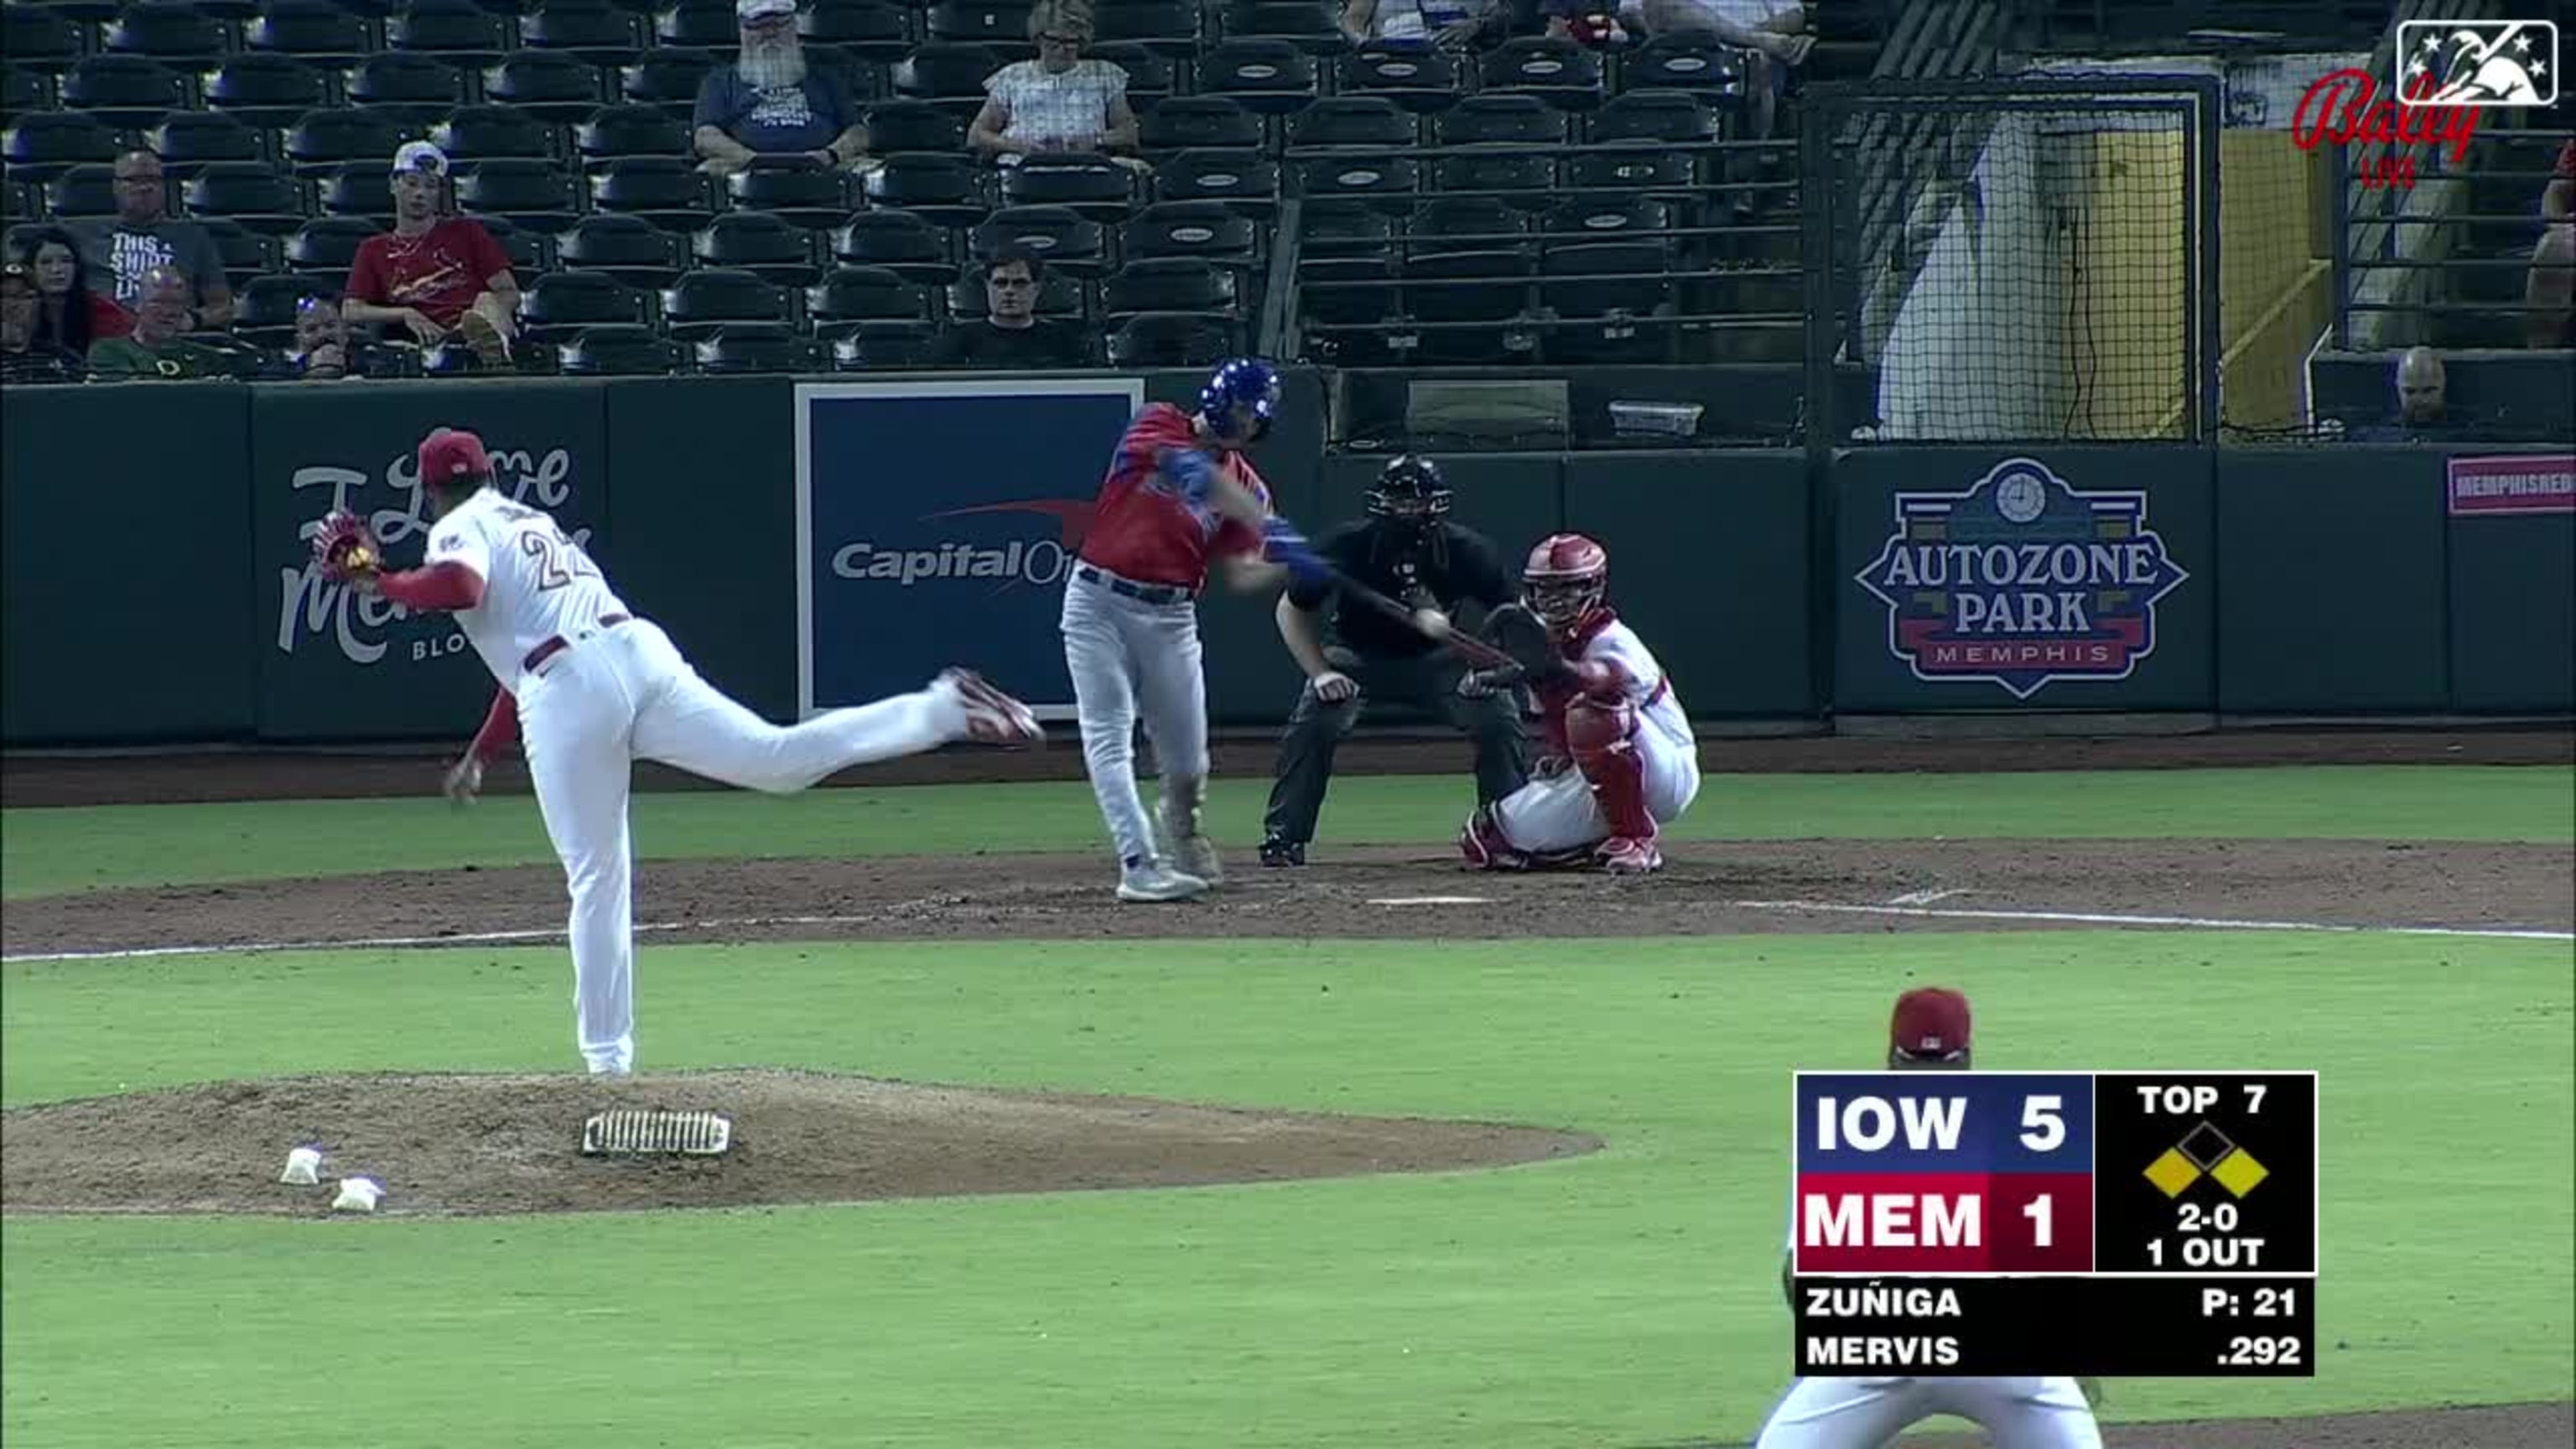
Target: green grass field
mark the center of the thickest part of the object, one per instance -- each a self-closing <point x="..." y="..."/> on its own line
<point x="1628" y="1298"/>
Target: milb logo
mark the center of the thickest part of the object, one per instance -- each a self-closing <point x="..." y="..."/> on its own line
<point x="2021" y="580"/>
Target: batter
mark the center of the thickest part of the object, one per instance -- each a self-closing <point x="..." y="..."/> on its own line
<point x="1180" y="495"/>
<point x="593" y="688"/>
<point x="1620" y="760"/>
<point x="1928" y="1032"/>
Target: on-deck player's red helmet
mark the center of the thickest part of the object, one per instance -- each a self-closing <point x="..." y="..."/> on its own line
<point x="450" y="454"/>
<point x="1565" y="578"/>
<point x="1929" y="1028"/>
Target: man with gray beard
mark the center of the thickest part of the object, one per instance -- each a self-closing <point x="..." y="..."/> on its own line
<point x="769" y="103"/>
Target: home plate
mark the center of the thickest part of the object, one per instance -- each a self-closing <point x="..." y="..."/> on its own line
<point x="1431" y="901"/>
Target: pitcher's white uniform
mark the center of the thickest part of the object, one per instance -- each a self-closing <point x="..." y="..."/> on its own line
<point x="593" y="688"/>
<point x="1562" y="812"/>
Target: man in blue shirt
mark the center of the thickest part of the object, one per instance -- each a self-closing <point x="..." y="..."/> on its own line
<point x="769" y="103"/>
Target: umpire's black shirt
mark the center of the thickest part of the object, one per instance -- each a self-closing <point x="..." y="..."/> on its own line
<point x="1466" y="568"/>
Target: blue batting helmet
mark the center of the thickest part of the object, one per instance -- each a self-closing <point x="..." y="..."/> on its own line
<point x="1240" y="382"/>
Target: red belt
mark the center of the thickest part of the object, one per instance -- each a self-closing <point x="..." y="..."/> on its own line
<point x="559" y="644"/>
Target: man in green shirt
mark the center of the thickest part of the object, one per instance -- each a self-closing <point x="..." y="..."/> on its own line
<point x="156" y="349"/>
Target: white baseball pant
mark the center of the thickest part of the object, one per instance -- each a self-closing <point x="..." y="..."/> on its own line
<point x="1558" y="812"/>
<point x="2043" y="1413"/>
<point x="1131" y="658"/>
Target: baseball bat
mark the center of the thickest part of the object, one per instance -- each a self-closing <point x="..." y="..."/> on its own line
<point x="1467" y="646"/>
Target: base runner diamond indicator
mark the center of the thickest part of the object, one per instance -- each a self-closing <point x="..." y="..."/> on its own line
<point x="2172" y="1172"/>
<point x="2205" y="1146"/>
<point x="2238" y="1172"/>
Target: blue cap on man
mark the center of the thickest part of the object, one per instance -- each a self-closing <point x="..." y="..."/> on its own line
<point x="1240" y="383"/>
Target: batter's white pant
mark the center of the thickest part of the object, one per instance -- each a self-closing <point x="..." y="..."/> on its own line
<point x="1127" y="658"/>
<point x="1557" y="812"/>
<point x="1865" y="1413"/>
<point x="623" y="694"/>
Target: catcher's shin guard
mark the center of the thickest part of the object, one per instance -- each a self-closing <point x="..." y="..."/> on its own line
<point x="1601" y="735"/>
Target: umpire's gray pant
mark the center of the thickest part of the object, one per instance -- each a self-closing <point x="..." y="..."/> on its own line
<point x="1315" y="729"/>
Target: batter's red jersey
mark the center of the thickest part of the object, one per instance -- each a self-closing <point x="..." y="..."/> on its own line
<point x="1143" y="529"/>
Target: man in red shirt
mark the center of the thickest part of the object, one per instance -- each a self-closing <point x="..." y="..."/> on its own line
<point x="434" y="274"/>
<point x="2550" y="294"/>
<point x="1180" y="495"/>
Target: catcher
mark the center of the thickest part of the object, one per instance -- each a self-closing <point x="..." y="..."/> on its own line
<point x="1620" y="760"/>
<point x="595" y="688"/>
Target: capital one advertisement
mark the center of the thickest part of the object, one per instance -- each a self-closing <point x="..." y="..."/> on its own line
<point x="936" y="524"/>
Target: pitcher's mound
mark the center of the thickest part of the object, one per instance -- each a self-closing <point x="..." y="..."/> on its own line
<point x="512" y="1144"/>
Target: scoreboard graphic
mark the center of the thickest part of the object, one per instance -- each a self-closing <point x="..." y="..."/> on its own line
<point x="2129" y="1224"/>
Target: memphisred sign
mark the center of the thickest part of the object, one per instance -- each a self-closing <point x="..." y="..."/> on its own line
<point x="2345" y="107"/>
<point x="2514" y="483"/>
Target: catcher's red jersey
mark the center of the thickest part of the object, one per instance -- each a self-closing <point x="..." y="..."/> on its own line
<point x="1142" y="529"/>
<point x="537" y="583"/>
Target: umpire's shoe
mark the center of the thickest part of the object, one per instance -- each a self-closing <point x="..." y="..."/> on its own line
<point x="1278" y="852"/>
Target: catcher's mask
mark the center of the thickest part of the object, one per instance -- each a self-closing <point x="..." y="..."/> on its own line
<point x="1409" y="489"/>
<point x="1565" y="579"/>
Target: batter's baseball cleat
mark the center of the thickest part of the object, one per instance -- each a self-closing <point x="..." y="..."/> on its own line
<point x="1154" y="880"/>
<point x="1624" y="855"/>
<point x="1198" y="858"/>
<point x="992" y="717"/>
<point x="1277" y="852"/>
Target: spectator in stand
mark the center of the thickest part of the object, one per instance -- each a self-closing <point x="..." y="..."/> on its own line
<point x="2424" y="412"/>
<point x="1450" y="24"/>
<point x="770" y="103"/>
<point x="69" y="316"/>
<point x="1061" y="101"/>
<point x="1773" y="29"/>
<point x="1012" y="335"/>
<point x="2550" y="294"/>
<point x="435" y="273"/>
<point x="323" y="350"/>
<point x="155" y="348"/>
<point x="120" y="253"/>
<point x="24" y="359"/>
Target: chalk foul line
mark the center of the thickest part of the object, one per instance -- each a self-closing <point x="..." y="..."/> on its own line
<point x="2116" y="918"/>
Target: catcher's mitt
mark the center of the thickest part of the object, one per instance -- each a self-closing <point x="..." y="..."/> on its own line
<point x="344" y="548"/>
<point x="1518" y="632"/>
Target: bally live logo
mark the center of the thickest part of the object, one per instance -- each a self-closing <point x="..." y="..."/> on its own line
<point x="2449" y="73"/>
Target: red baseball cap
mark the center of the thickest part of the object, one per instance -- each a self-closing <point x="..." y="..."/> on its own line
<point x="1931" y="1022"/>
<point x="448" y="454"/>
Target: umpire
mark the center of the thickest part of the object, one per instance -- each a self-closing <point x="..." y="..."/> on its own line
<point x="1408" y="550"/>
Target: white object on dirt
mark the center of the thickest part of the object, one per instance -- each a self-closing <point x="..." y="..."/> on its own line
<point x="303" y="1168"/>
<point x="357" y="1195"/>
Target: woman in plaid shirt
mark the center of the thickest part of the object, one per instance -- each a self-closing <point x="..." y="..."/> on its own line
<point x="1059" y="101"/>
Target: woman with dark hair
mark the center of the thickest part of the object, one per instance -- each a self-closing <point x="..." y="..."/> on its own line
<point x="69" y="316"/>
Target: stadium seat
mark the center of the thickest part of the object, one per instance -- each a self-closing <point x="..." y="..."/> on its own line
<point x="20" y="203"/>
<point x="1486" y="119"/>
<point x="748" y="348"/>
<point x="883" y="347"/>
<point x="1151" y="74"/>
<point x="1346" y="292"/>
<point x="1527" y="177"/>
<point x="82" y="193"/>
<point x="708" y="25"/>
<point x="554" y="305"/>
<point x="247" y="192"/>
<point x="1209" y="230"/>
<point x="613" y="132"/>
<point x="1547" y="68"/>
<point x="1272" y="77"/>
<point x="1345" y="228"/>
<point x="759" y="243"/>
<point x="1169" y="284"/>
<point x="948" y="76"/>
<point x="1387" y="181"/>
<point x="628" y="248"/>
<point x="1353" y="121"/>
<point x="168" y="30"/>
<point x="1608" y="216"/>
<point x="495" y="133"/>
<point x="327" y="246"/>
<point x="868" y="29"/>
<point x="1486" y="287"/>
<point x="1654" y="116"/>
<point x="261" y="89"/>
<point x="1164" y="339"/>
<point x="1067" y="241"/>
<point x="1414" y="78"/>
<point x="1614" y="318"/>
<point x="849" y="298"/>
<point x="944" y="189"/>
<point x="459" y="32"/>
<point x="325" y="139"/>
<point x="532" y="193"/>
<point x="1685" y="61"/>
<point x="700" y="301"/>
<point x="618" y="350"/>
<point x="357" y="188"/>
<point x="1165" y="27"/>
<point x="191" y="139"/>
<point x="129" y="92"/>
<point x="24" y="89"/>
<point x="896" y="126"/>
<point x="1094" y="186"/>
<point x="553" y="85"/>
<point x="1465" y="223"/>
<point x="667" y="191"/>
<point x="38" y="37"/>
<point x="246" y="253"/>
<point x="42" y="145"/>
<point x="1245" y="180"/>
<point x="1301" y="23"/>
<point x="591" y="31"/>
<point x="530" y="252"/>
<point x="667" y="77"/>
<point x="1190" y="123"/>
<point x="909" y="246"/>
<point x="316" y="30"/>
<point x="806" y="195"/>
<point x="1000" y="24"/>
<point x="413" y="89"/>
<point x="1618" y="172"/>
<point x="264" y="307"/>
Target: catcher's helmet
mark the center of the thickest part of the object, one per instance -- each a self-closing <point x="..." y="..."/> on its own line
<point x="1240" y="396"/>
<point x="1409" y="487"/>
<point x="1565" y="579"/>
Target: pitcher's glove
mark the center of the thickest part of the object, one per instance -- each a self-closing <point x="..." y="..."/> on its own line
<point x="345" y="549"/>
